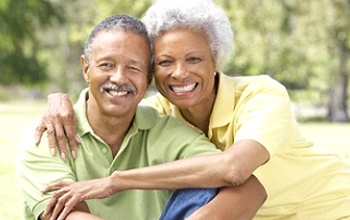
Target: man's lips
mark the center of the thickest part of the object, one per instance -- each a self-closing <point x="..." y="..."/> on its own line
<point x="117" y="91"/>
<point x="183" y="89"/>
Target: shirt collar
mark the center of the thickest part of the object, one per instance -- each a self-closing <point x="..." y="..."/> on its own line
<point x="222" y="112"/>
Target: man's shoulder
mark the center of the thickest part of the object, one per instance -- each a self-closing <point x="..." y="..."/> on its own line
<point x="27" y="137"/>
<point x="149" y="115"/>
<point x="151" y="119"/>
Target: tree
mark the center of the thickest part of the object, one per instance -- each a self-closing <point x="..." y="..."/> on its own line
<point x="303" y="44"/>
<point x="20" y="21"/>
<point x="337" y="110"/>
<point x="81" y="17"/>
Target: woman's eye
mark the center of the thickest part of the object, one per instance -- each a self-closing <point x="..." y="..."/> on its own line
<point x="194" y="59"/>
<point x="164" y="63"/>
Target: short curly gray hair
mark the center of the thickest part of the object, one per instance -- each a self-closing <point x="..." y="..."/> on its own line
<point x="202" y="15"/>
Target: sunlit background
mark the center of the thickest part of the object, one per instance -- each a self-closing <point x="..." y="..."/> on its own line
<point x="303" y="44"/>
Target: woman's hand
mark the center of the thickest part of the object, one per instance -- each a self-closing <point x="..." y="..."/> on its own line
<point x="69" y="194"/>
<point x="59" y="121"/>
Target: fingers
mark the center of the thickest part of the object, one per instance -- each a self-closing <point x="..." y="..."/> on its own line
<point x="62" y="201"/>
<point x="56" y="186"/>
<point x="61" y="204"/>
<point x="56" y="206"/>
<point x="62" y="207"/>
<point x="49" y="207"/>
<point x="59" y="138"/>
<point x="39" y="132"/>
<point x="68" y="204"/>
<point x="59" y="121"/>
<point x="51" y="137"/>
<point x="72" y="138"/>
<point x="46" y="124"/>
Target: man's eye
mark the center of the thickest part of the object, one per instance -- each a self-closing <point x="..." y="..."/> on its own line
<point x="134" y="68"/>
<point x="106" y="66"/>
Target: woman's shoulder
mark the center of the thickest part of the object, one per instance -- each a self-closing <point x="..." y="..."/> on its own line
<point x="158" y="102"/>
<point x="259" y="82"/>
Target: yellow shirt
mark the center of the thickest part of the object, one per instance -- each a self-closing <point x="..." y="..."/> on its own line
<point x="303" y="181"/>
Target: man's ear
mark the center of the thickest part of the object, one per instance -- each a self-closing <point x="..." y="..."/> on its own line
<point x="85" y="68"/>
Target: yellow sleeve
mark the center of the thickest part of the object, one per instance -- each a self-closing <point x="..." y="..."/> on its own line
<point x="264" y="114"/>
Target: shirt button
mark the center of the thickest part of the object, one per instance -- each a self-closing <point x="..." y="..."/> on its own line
<point x="104" y="150"/>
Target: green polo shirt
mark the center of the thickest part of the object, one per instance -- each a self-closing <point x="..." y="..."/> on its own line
<point x="152" y="139"/>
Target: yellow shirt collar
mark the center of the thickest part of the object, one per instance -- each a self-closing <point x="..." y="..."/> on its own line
<point x="223" y="106"/>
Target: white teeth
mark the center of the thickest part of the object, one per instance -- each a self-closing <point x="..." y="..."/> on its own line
<point x="117" y="93"/>
<point x="183" y="88"/>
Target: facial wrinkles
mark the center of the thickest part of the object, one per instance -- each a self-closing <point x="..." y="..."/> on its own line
<point x="191" y="49"/>
<point x="123" y="48"/>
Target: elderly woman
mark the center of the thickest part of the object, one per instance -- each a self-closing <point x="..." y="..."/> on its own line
<point x="248" y="118"/>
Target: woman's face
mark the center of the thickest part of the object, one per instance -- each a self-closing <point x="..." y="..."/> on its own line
<point x="184" y="67"/>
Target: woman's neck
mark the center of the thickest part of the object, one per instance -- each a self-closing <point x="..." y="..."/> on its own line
<point x="199" y="115"/>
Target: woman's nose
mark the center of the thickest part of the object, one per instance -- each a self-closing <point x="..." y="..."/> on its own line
<point x="179" y="72"/>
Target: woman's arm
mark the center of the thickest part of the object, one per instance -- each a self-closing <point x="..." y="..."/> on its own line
<point x="230" y="168"/>
<point x="59" y="121"/>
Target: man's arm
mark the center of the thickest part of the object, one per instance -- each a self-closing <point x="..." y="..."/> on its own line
<point x="75" y="215"/>
<point x="80" y="211"/>
<point x="239" y="203"/>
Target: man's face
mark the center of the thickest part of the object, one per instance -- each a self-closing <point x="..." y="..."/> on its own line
<point x="117" y="72"/>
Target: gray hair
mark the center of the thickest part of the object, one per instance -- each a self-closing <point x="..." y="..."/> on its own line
<point x="120" y="23"/>
<point x="202" y="15"/>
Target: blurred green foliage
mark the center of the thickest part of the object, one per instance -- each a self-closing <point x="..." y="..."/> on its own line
<point x="20" y="21"/>
<point x="303" y="44"/>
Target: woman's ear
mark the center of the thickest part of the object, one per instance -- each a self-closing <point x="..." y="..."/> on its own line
<point x="85" y="68"/>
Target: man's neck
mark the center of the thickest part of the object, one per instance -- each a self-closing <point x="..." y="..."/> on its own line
<point x="111" y="129"/>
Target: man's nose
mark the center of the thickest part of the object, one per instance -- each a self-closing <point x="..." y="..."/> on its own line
<point x="118" y="75"/>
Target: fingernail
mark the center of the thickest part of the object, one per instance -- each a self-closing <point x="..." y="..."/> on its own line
<point x="53" y="151"/>
<point x="74" y="154"/>
<point x="63" y="156"/>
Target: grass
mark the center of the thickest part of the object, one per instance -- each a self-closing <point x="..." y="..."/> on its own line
<point x="14" y="119"/>
<point x="16" y="116"/>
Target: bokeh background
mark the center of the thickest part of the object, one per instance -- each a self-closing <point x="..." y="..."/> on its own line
<point x="303" y="44"/>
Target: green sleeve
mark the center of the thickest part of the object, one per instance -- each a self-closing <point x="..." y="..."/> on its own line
<point x="36" y="168"/>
